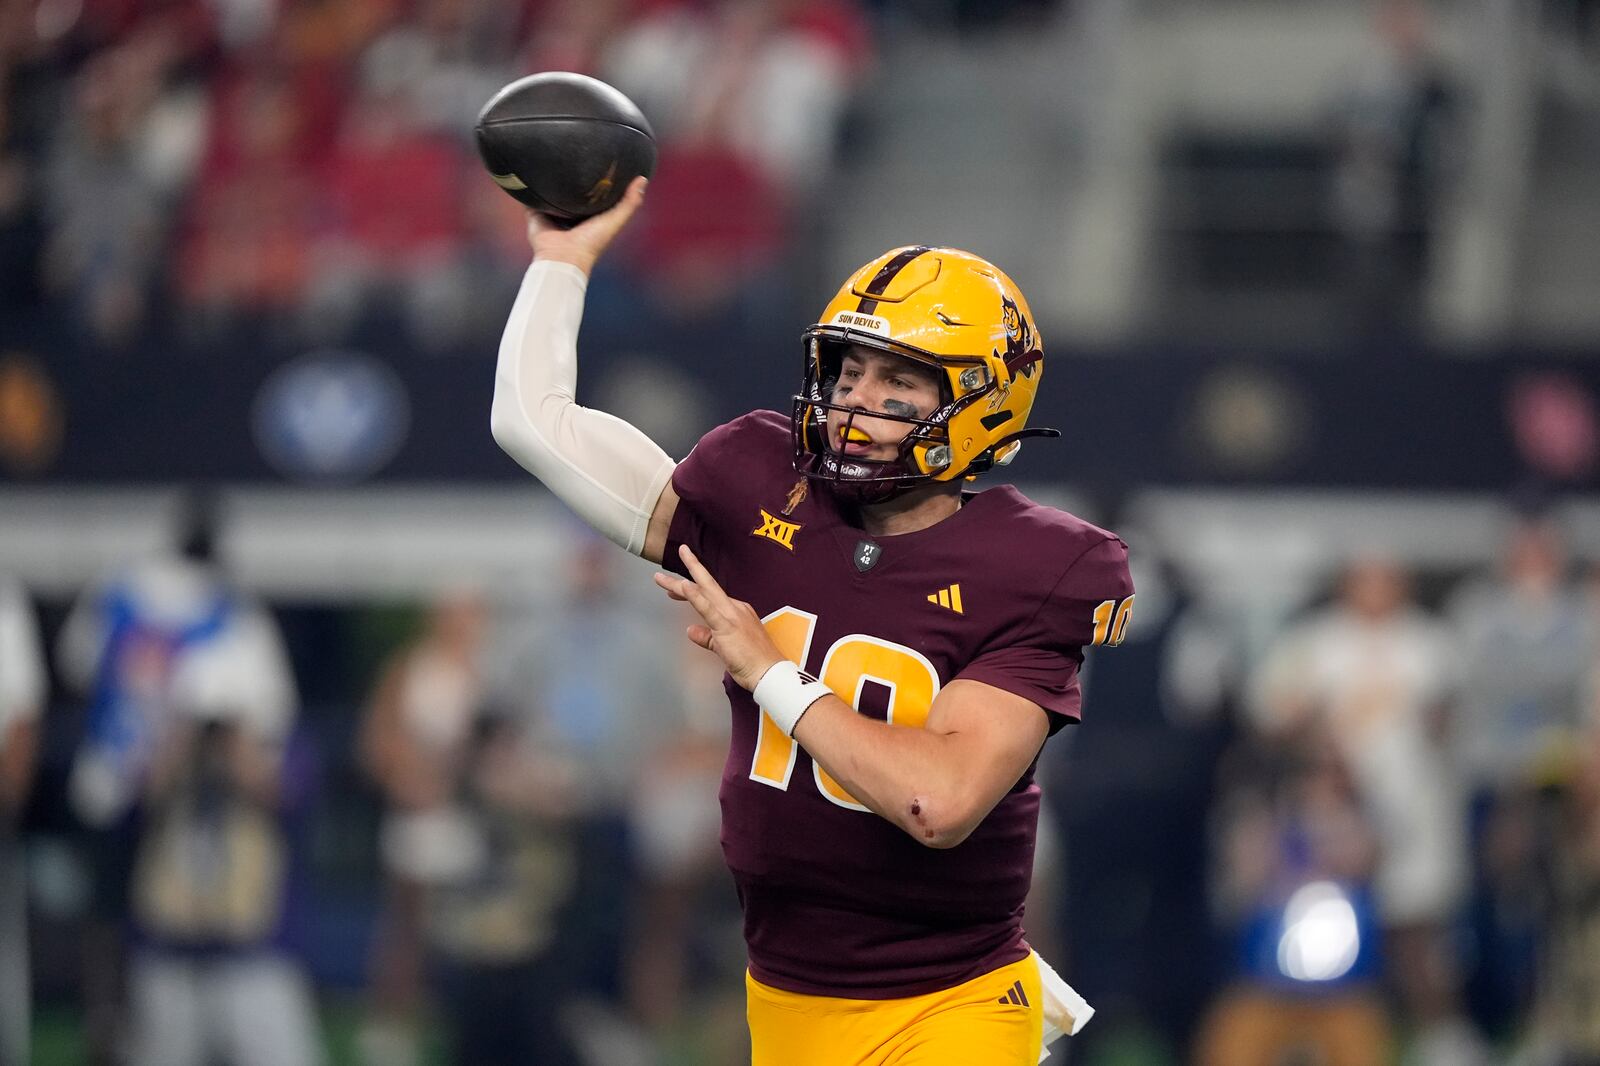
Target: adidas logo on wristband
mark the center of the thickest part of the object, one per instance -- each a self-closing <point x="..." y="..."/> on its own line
<point x="786" y="692"/>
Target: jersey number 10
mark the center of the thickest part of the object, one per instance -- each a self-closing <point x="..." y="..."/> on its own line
<point x="1111" y="621"/>
<point x="849" y="664"/>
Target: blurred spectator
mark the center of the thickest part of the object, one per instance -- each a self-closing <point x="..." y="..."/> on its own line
<point x="1368" y="678"/>
<point x="1527" y="644"/>
<point x="279" y="195"/>
<point x="1153" y="762"/>
<point x="22" y="690"/>
<point x="1295" y="857"/>
<point x="1389" y="142"/>
<point x="186" y="27"/>
<point x="480" y="855"/>
<point x="126" y="151"/>
<point x="716" y="227"/>
<point x="120" y="646"/>
<point x="390" y="246"/>
<point x="419" y="724"/>
<point x="573" y="34"/>
<point x="124" y="646"/>
<point x="213" y="977"/>
<point x="20" y="236"/>
<point x="1566" y="1030"/>
<point x="685" y="944"/>
<point x="498" y="916"/>
<point x="747" y="98"/>
<point x="768" y="79"/>
<point x="590" y="683"/>
<point x="1527" y="641"/>
<point x="491" y="260"/>
<point x="246" y="250"/>
<point x="320" y="33"/>
<point x="447" y="59"/>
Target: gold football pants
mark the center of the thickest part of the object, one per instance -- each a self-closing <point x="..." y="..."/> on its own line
<point x="994" y="1019"/>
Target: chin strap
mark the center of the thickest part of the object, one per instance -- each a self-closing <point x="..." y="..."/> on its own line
<point x="986" y="461"/>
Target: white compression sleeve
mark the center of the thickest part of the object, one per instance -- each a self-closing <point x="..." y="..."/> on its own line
<point x="603" y="468"/>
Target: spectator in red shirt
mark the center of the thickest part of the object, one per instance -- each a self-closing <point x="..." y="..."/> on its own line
<point x="747" y="98"/>
<point x="247" y="245"/>
<point x="393" y="226"/>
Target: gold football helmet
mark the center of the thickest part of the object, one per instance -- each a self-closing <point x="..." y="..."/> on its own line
<point x="955" y="312"/>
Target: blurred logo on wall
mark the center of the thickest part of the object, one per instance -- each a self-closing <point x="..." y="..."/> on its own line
<point x="1246" y="421"/>
<point x="1554" y="425"/>
<point x="30" y="416"/>
<point x="331" y="415"/>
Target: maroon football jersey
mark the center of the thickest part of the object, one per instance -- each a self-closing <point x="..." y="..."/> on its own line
<point x="838" y="901"/>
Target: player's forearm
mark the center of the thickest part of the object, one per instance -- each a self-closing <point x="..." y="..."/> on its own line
<point x="603" y="468"/>
<point x="912" y="777"/>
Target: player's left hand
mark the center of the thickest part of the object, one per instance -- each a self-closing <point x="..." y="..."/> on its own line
<point x="729" y="627"/>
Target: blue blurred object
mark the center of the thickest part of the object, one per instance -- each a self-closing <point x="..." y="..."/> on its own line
<point x="1322" y="938"/>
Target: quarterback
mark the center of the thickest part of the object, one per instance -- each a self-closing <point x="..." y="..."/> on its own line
<point x="898" y="649"/>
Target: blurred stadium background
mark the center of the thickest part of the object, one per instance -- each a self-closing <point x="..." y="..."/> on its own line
<point x="326" y="736"/>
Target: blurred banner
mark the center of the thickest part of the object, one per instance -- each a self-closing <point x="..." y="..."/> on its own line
<point x="343" y="416"/>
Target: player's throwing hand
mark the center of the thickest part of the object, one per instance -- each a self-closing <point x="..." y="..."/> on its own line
<point x="730" y="627"/>
<point x="582" y="244"/>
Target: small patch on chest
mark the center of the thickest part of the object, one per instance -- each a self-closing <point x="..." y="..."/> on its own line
<point x="867" y="555"/>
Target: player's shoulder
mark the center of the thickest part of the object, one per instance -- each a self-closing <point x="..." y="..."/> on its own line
<point x="754" y="436"/>
<point x="1068" y="557"/>
<point x="1058" y="580"/>
<point x="752" y="454"/>
<point x="1036" y="527"/>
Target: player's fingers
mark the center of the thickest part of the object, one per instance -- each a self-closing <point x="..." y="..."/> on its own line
<point x="608" y="223"/>
<point x="700" y="635"/>
<point x="618" y="216"/>
<point x="681" y="588"/>
<point x="701" y="575"/>
<point x="709" y="610"/>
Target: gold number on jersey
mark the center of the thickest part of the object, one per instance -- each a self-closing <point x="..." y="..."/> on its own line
<point x="849" y="664"/>
<point x="1111" y="622"/>
<point x="791" y="630"/>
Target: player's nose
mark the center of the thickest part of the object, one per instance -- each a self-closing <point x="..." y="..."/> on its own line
<point x="869" y="395"/>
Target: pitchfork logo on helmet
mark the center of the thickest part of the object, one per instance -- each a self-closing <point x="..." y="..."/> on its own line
<point x="1022" y="351"/>
<point x="954" y="312"/>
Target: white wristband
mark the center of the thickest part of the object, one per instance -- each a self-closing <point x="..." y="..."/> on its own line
<point x="786" y="692"/>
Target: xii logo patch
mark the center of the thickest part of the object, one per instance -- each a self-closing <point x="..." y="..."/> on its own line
<point x="775" y="528"/>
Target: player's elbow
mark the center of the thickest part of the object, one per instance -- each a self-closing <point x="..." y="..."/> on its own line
<point x="946" y="839"/>
<point x="501" y="421"/>
<point x="941" y="823"/>
<point x="508" y="426"/>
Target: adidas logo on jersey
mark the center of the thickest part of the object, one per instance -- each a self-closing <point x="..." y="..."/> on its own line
<point x="1016" y="996"/>
<point x="949" y="597"/>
